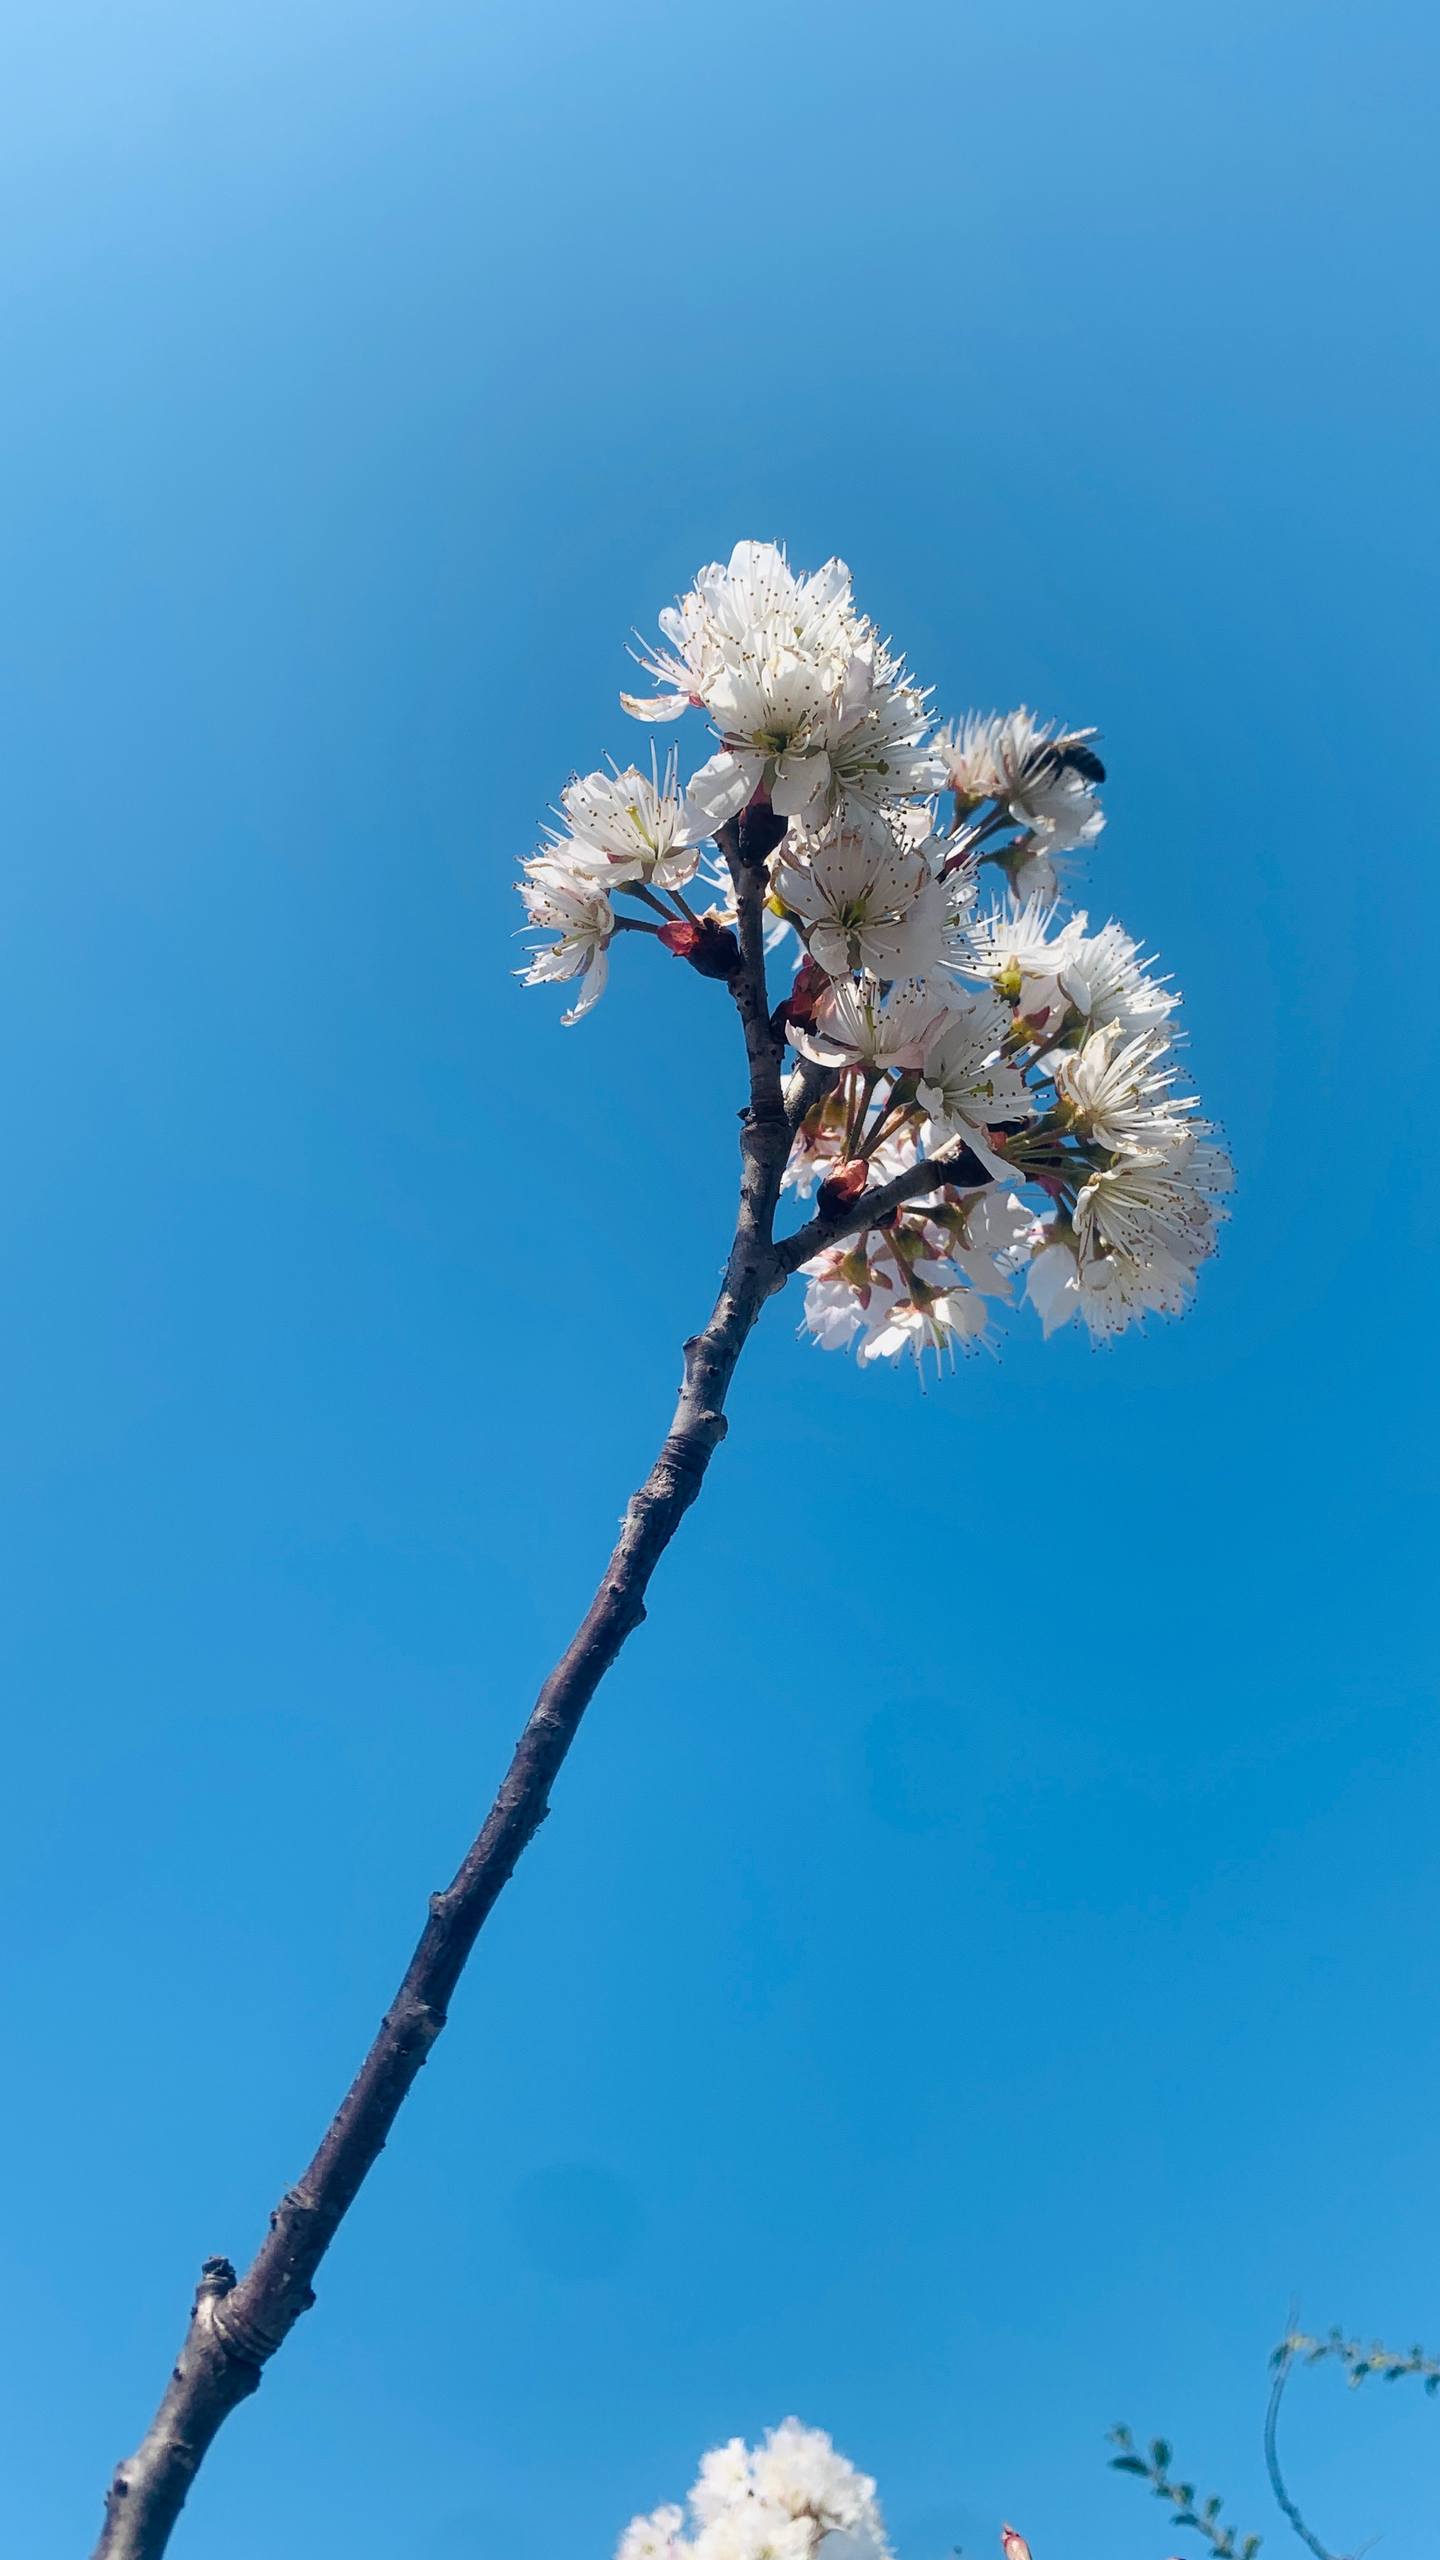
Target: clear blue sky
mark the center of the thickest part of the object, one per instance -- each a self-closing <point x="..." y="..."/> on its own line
<point x="962" y="2008"/>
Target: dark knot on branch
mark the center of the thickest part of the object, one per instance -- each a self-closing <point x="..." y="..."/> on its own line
<point x="688" y="1453"/>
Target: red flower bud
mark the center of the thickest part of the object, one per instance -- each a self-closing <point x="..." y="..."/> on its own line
<point x="709" y="946"/>
<point x="842" y="1188"/>
<point x="807" y="988"/>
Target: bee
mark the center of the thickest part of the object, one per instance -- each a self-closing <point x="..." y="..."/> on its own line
<point x="1074" y="754"/>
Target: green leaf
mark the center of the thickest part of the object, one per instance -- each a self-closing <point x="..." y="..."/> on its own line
<point x="1130" y="2462"/>
<point x="1160" y="2454"/>
<point x="1249" y="2546"/>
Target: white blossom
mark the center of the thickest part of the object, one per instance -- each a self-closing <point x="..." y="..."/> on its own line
<point x="855" y="1024"/>
<point x="1052" y="1284"/>
<point x="1117" y="1088"/>
<point x="628" y="825"/>
<point x="809" y="705"/>
<point x="863" y="899"/>
<point x="576" y="910"/>
<point x="653" y="2537"/>
<point x="950" y="1320"/>
<point x="965" y="1085"/>
<point x="1018" y="946"/>
<point x="1037" y="770"/>
<point x="726" y="2475"/>
<point x="995" y="1240"/>
<point x="716" y="625"/>
<point x="823" y="737"/>
<point x="1154" y="1207"/>
<point x="781" y="2501"/>
<point x="1104" y="977"/>
<point x="799" y="2469"/>
<point x="1040" y="1055"/>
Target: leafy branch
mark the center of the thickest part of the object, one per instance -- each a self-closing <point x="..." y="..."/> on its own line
<point x="1201" y="2516"/>
<point x="1391" y="2364"/>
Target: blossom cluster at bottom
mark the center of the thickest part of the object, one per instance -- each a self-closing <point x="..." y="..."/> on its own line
<point x="779" y="2500"/>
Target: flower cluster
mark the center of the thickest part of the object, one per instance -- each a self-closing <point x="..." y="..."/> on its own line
<point x="775" y="2501"/>
<point x="1003" y="1077"/>
<point x="780" y="2500"/>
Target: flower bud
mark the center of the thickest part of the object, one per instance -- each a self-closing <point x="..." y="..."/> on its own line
<point x="709" y="946"/>
<point x="1013" y="2544"/>
<point x="807" y="988"/>
<point x="842" y="1188"/>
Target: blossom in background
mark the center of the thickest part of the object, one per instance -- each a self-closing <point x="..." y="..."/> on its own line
<point x="788" y="2498"/>
<point x="1038" y="1059"/>
<point x="778" y="2501"/>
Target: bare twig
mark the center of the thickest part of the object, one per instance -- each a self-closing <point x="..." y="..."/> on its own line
<point x="236" y="2326"/>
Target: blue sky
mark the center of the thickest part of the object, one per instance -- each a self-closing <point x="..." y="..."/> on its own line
<point x="965" y="2003"/>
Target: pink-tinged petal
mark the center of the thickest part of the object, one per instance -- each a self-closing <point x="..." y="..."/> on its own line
<point x="655" y="706"/>
<point x="718" y="792"/>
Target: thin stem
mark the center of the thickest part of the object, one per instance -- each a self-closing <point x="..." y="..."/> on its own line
<point x="1283" y="2500"/>
<point x="236" y="2326"/>
<point x="640" y="889"/>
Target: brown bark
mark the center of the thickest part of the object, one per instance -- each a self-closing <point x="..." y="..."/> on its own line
<point x="236" y="2326"/>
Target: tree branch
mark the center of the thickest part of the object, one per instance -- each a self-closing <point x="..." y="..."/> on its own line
<point x="236" y="2326"/>
<point x="948" y="1165"/>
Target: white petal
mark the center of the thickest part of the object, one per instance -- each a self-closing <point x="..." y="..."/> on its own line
<point x="800" y="781"/>
<point x="654" y="706"/>
<point x="719" y="791"/>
